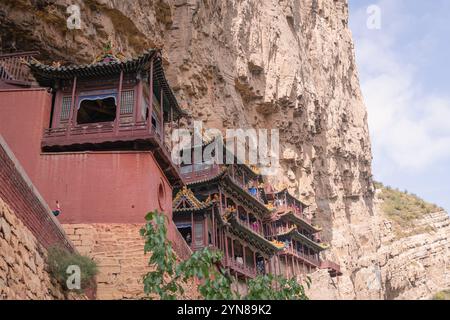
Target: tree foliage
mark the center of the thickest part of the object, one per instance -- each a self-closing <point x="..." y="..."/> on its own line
<point x="168" y="278"/>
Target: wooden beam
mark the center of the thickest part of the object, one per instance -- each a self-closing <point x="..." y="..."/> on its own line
<point x="150" y="102"/>
<point x="119" y="103"/>
<point x="73" y="107"/>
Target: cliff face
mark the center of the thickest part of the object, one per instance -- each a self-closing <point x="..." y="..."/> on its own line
<point x="286" y="64"/>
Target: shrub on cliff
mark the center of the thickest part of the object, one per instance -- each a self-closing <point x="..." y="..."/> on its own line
<point x="169" y="278"/>
<point x="64" y="266"/>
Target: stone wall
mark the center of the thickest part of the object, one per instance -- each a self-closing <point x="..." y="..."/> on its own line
<point x="118" y="250"/>
<point x="23" y="272"/>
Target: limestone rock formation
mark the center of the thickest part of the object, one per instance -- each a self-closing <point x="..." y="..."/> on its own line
<point x="286" y="64"/>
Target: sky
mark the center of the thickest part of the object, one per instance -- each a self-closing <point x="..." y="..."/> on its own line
<point x="403" y="57"/>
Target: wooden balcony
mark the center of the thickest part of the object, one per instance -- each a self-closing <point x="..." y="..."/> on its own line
<point x="13" y="68"/>
<point x="108" y="136"/>
<point x="300" y="255"/>
<point x="238" y="267"/>
<point x="255" y="227"/>
<point x="333" y="268"/>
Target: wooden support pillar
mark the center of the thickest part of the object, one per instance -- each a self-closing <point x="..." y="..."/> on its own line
<point x="137" y="111"/>
<point x="162" y="114"/>
<point x="118" y="104"/>
<point x="226" y="246"/>
<point x="205" y="232"/>
<point x="244" y="256"/>
<point x="192" y="231"/>
<point x="171" y="124"/>
<point x="232" y="248"/>
<point x="286" y="266"/>
<point x="150" y="98"/>
<point x="72" y="117"/>
<point x="213" y="227"/>
<point x="279" y="265"/>
<point x="254" y="262"/>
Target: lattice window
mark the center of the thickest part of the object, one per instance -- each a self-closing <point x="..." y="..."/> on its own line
<point x="65" y="108"/>
<point x="127" y="102"/>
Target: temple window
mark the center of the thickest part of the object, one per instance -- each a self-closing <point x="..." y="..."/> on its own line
<point x="127" y="102"/>
<point x="199" y="234"/>
<point x="97" y="108"/>
<point x="66" y="108"/>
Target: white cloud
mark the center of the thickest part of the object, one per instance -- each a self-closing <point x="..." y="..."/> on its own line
<point x="409" y="126"/>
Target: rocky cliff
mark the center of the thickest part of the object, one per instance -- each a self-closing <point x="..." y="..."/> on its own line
<point x="286" y="64"/>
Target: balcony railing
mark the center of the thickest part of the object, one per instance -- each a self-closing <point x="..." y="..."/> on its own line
<point x="296" y="253"/>
<point x="331" y="266"/>
<point x="254" y="192"/>
<point x="239" y="267"/>
<point x="252" y="226"/>
<point x="13" y="68"/>
<point x="179" y="245"/>
<point x="296" y="211"/>
<point x="99" y="132"/>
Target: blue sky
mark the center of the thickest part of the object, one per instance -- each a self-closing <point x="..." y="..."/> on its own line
<point x="404" y="69"/>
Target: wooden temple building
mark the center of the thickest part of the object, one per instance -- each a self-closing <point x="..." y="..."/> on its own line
<point x="230" y="208"/>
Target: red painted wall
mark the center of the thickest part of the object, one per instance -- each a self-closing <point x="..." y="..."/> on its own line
<point x="91" y="187"/>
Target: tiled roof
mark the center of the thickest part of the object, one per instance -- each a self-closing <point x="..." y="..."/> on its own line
<point x="185" y="201"/>
<point x="46" y="75"/>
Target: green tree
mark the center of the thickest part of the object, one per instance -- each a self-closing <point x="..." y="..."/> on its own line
<point x="168" y="277"/>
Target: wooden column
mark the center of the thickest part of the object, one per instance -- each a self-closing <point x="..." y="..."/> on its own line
<point x="232" y="248"/>
<point x="254" y="262"/>
<point x="171" y="125"/>
<point x="226" y="246"/>
<point x="213" y="227"/>
<point x="192" y="231"/>
<point x="138" y="103"/>
<point x="119" y="103"/>
<point x="162" y="114"/>
<point x="73" y="110"/>
<point x="286" y="266"/>
<point x="205" y="232"/>
<point x="150" y="98"/>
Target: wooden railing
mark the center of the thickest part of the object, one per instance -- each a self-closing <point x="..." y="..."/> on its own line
<point x="239" y="267"/>
<point x="314" y="261"/>
<point x="179" y="245"/>
<point x="331" y="266"/>
<point x="296" y="211"/>
<point x="13" y="66"/>
<point x="96" y="132"/>
<point x="256" y="195"/>
<point x="253" y="227"/>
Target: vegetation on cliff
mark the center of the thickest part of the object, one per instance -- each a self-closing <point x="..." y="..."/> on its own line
<point x="404" y="210"/>
<point x="442" y="295"/>
<point x="62" y="264"/>
<point x="169" y="278"/>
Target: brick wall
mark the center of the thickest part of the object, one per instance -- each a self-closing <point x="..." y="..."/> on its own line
<point x="23" y="272"/>
<point x="118" y="250"/>
<point x="21" y="196"/>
